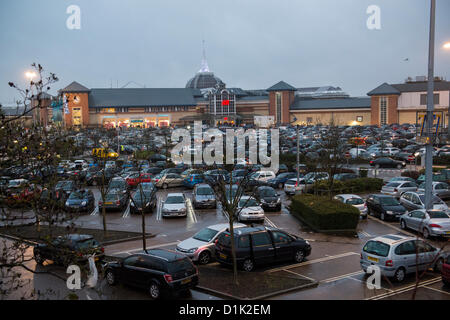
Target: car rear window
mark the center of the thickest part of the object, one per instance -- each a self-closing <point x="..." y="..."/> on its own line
<point x="180" y="265"/>
<point x="393" y="184"/>
<point x="355" y="201"/>
<point x="290" y="182"/>
<point x="438" y="215"/>
<point x="378" y="248"/>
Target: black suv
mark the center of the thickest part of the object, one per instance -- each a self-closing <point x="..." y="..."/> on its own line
<point x="260" y="245"/>
<point x="72" y="248"/>
<point x="159" y="271"/>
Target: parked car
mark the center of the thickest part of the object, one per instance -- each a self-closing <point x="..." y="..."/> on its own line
<point x="174" y="205"/>
<point x="280" y="180"/>
<point x="397" y="188"/>
<point x="203" y="196"/>
<point x="159" y="271"/>
<point x="64" y="188"/>
<point x="415" y="200"/>
<point x="430" y="223"/>
<point x="168" y="180"/>
<point x="261" y="245"/>
<point x="263" y="176"/>
<point x="401" y="179"/>
<point x="192" y="179"/>
<point x="398" y="255"/>
<point x="441" y="189"/>
<point x="114" y="200"/>
<point x="345" y="176"/>
<point x="69" y="249"/>
<point x="118" y="184"/>
<point x="269" y="199"/>
<point x="143" y="201"/>
<point x="249" y="209"/>
<point x="385" y="162"/>
<point x="134" y="179"/>
<point x="200" y="247"/>
<point x="82" y="200"/>
<point x="384" y="206"/>
<point x="354" y="200"/>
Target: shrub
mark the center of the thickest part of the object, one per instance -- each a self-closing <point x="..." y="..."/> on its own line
<point x="411" y="174"/>
<point x="359" y="185"/>
<point x="363" y="172"/>
<point x="321" y="213"/>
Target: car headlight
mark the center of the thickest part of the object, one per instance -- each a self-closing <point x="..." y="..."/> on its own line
<point x="132" y="203"/>
<point x="390" y="212"/>
<point x="67" y="203"/>
<point x="278" y="200"/>
<point x="192" y="250"/>
<point x="263" y="201"/>
<point x="84" y="203"/>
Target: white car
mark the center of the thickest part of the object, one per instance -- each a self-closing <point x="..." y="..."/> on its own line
<point x="200" y="247"/>
<point x="250" y="210"/>
<point x="174" y="205"/>
<point x="355" y="201"/>
<point x="291" y="187"/>
<point x="263" y="176"/>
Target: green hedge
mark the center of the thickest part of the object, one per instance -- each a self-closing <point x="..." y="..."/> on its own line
<point x="321" y="213"/>
<point x="360" y="185"/>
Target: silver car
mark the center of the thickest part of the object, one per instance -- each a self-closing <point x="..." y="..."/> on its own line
<point x="398" y="255"/>
<point x="203" y="196"/>
<point x="441" y="189"/>
<point x="355" y="201"/>
<point x="397" y="188"/>
<point x="174" y="205"/>
<point x="430" y="223"/>
<point x="200" y="247"/>
<point x="168" y="180"/>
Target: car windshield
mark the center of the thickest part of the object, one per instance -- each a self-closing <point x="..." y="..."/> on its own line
<point x="438" y="215"/>
<point x="245" y="203"/>
<point x="267" y="192"/>
<point x="76" y="195"/>
<point x="180" y="265"/>
<point x="378" y="248"/>
<point x="174" y="199"/>
<point x="141" y="195"/>
<point x="204" y="191"/>
<point x="389" y="201"/>
<point x="355" y="201"/>
<point x="436" y="200"/>
<point x="205" y="234"/>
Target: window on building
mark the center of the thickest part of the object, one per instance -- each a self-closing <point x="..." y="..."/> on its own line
<point x="359" y="118"/>
<point x="423" y="99"/>
<point x="278" y="106"/>
<point x="383" y="110"/>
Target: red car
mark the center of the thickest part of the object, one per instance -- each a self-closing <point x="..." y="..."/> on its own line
<point x="22" y="194"/>
<point x="134" y="179"/>
<point x="446" y="272"/>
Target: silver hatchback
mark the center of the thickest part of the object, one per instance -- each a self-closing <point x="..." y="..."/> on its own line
<point x="430" y="223"/>
<point x="398" y="255"/>
<point x="397" y="188"/>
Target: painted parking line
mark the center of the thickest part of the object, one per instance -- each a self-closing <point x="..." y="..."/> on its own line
<point x="299" y="274"/>
<point x="437" y="290"/>
<point x="129" y="251"/>
<point x="392" y="226"/>
<point x="343" y="255"/>
<point x="191" y="211"/>
<point x="158" y="210"/>
<point x="269" y="222"/>
<point x="405" y="289"/>
<point x="95" y="212"/>
<point x="126" y="214"/>
<point x="344" y="276"/>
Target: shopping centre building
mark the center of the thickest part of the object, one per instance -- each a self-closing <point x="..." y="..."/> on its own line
<point x="206" y="98"/>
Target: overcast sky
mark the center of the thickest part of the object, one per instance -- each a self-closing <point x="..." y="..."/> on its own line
<point x="251" y="44"/>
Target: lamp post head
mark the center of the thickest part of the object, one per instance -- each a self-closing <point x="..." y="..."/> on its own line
<point x="446" y="45"/>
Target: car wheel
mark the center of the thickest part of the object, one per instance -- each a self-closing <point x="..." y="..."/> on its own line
<point x="110" y="278"/>
<point x="165" y="186"/>
<point x="382" y="216"/>
<point x="248" y="265"/>
<point x="403" y="224"/>
<point x="438" y="265"/>
<point x="204" y="258"/>
<point x="38" y="258"/>
<point x="280" y="186"/>
<point x="400" y="274"/>
<point x="155" y="291"/>
<point x="426" y="233"/>
<point x="299" y="256"/>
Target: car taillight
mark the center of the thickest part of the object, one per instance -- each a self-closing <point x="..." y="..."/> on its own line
<point x="192" y="179"/>
<point x="389" y="263"/>
<point x="102" y="250"/>
<point x="168" y="278"/>
<point x="217" y="240"/>
<point x="100" y="203"/>
<point x="435" y="226"/>
<point x="371" y="161"/>
<point x="118" y="202"/>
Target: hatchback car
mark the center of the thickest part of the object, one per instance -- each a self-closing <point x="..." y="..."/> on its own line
<point x="354" y="200"/>
<point x="260" y="245"/>
<point x="269" y="199"/>
<point x="80" y="201"/>
<point x="441" y="189"/>
<point x="168" y="180"/>
<point x="415" y="200"/>
<point x="203" y="196"/>
<point x="398" y="255"/>
<point x="280" y="180"/>
<point x="64" y="188"/>
<point x="431" y="223"/>
<point x="398" y="188"/>
<point x="114" y="200"/>
<point x="174" y="205"/>
<point x="384" y="206"/>
<point x="159" y="271"/>
<point x="200" y="247"/>
<point x="249" y="209"/>
<point x="387" y="163"/>
<point x="143" y="201"/>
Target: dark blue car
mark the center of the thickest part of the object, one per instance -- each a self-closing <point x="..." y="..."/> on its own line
<point x="80" y="201"/>
<point x="279" y="181"/>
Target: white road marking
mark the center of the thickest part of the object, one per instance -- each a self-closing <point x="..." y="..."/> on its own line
<point x="441" y="291"/>
<point x="269" y="222"/>
<point x="191" y="210"/>
<point x="343" y="255"/>
<point x="96" y="211"/>
<point x="299" y="274"/>
<point x="404" y="289"/>
<point x="126" y="214"/>
<point x="158" y="210"/>
<point x="348" y="275"/>
<point x="148" y="247"/>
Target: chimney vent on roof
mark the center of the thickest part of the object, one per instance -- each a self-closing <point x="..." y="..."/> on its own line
<point x="421" y="78"/>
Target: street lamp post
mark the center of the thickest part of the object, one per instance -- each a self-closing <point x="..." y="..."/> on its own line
<point x="430" y="109"/>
